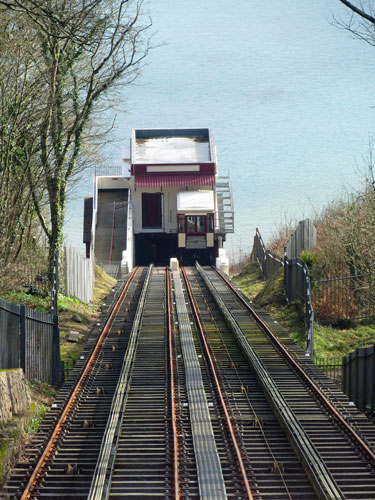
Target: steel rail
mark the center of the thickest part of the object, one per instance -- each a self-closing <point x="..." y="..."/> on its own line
<point x="102" y="477"/>
<point x="48" y="450"/>
<point x="245" y="392"/>
<point x="172" y="388"/>
<point x="212" y="365"/>
<point x="356" y="439"/>
<point x="322" y="480"/>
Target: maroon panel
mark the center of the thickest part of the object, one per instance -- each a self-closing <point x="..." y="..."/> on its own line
<point x="151" y="210"/>
<point x="154" y="180"/>
<point x="205" y="169"/>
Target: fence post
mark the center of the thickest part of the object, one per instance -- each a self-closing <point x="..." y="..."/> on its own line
<point x="309" y="315"/>
<point x="56" y="377"/>
<point x="286" y="263"/>
<point x="23" y="338"/>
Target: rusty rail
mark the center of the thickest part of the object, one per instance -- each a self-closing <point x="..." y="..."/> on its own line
<point x="172" y="388"/>
<point x="351" y="432"/>
<point x="212" y="365"/>
<point x="38" y="470"/>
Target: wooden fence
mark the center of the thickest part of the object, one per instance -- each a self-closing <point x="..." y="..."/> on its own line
<point x="30" y="340"/>
<point x="303" y="238"/>
<point x="359" y="378"/>
<point x="79" y="275"/>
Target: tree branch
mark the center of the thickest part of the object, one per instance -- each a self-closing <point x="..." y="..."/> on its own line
<point x="358" y="11"/>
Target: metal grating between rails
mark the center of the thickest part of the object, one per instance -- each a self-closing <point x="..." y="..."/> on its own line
<point x="210" y="476"/>
<point x="344" y="445"/>
<point x="236" y="485"/>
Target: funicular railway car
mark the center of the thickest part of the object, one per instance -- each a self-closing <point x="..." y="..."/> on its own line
<point x="176" y="205"/>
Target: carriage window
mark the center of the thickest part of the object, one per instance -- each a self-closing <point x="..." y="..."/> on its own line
<point x="181" y="224"/>
<point x="201" y="224"/>
<point x="210" y="223"/>
<point x="190" y="222"/>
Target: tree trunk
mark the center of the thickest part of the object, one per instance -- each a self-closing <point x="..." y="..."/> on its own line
<point x="57" y="208"/>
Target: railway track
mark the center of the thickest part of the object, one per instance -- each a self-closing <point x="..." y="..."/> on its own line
<point x="185" y="392"/>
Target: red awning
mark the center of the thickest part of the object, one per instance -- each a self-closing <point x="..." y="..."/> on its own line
<point x="174" y="180"/>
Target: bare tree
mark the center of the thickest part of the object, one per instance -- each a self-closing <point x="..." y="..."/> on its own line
<point x="83" y="50"/>
<point x="20" y="90"/>
<point x="361" y="21"/>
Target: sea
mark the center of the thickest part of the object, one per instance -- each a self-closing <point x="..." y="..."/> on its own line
<point x="288" y="95"/>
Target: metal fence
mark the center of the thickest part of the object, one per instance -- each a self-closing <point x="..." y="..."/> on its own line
<point x="343" y="298"/>
<point x="30" y="340"/>
<point x="298" y="287"/>
<point x="296" y="280"/>
<point x="268" y="261"/>
<point x="332" y="367"/>
<point x="110" y="170"/>
<point x="359" y="378"/>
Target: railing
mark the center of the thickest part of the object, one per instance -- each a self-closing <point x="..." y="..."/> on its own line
<point x="296" y="281"/>
<point x="344" y="298"/>
<point x="117" y="204"/>
<point x="332" y="367"/>
<point x="109" y="170"/>
<point x="268" y="261"/>
<point x="30" y="340"/>
<point x="298" y="287"/>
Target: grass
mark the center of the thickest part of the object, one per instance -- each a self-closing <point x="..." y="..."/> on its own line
<point x="329" y="342"/>
<point x="251" y="280"/>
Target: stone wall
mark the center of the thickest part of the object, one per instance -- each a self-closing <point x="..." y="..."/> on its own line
<point x="14" y="394"/>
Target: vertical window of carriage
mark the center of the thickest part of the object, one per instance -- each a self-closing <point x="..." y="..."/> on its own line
<point x="151" y="210"/>
<point x="210" y="223"/>
<point x="181" y="223"/>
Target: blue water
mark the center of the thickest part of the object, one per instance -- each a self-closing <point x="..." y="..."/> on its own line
<point x="289" y="98"/>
